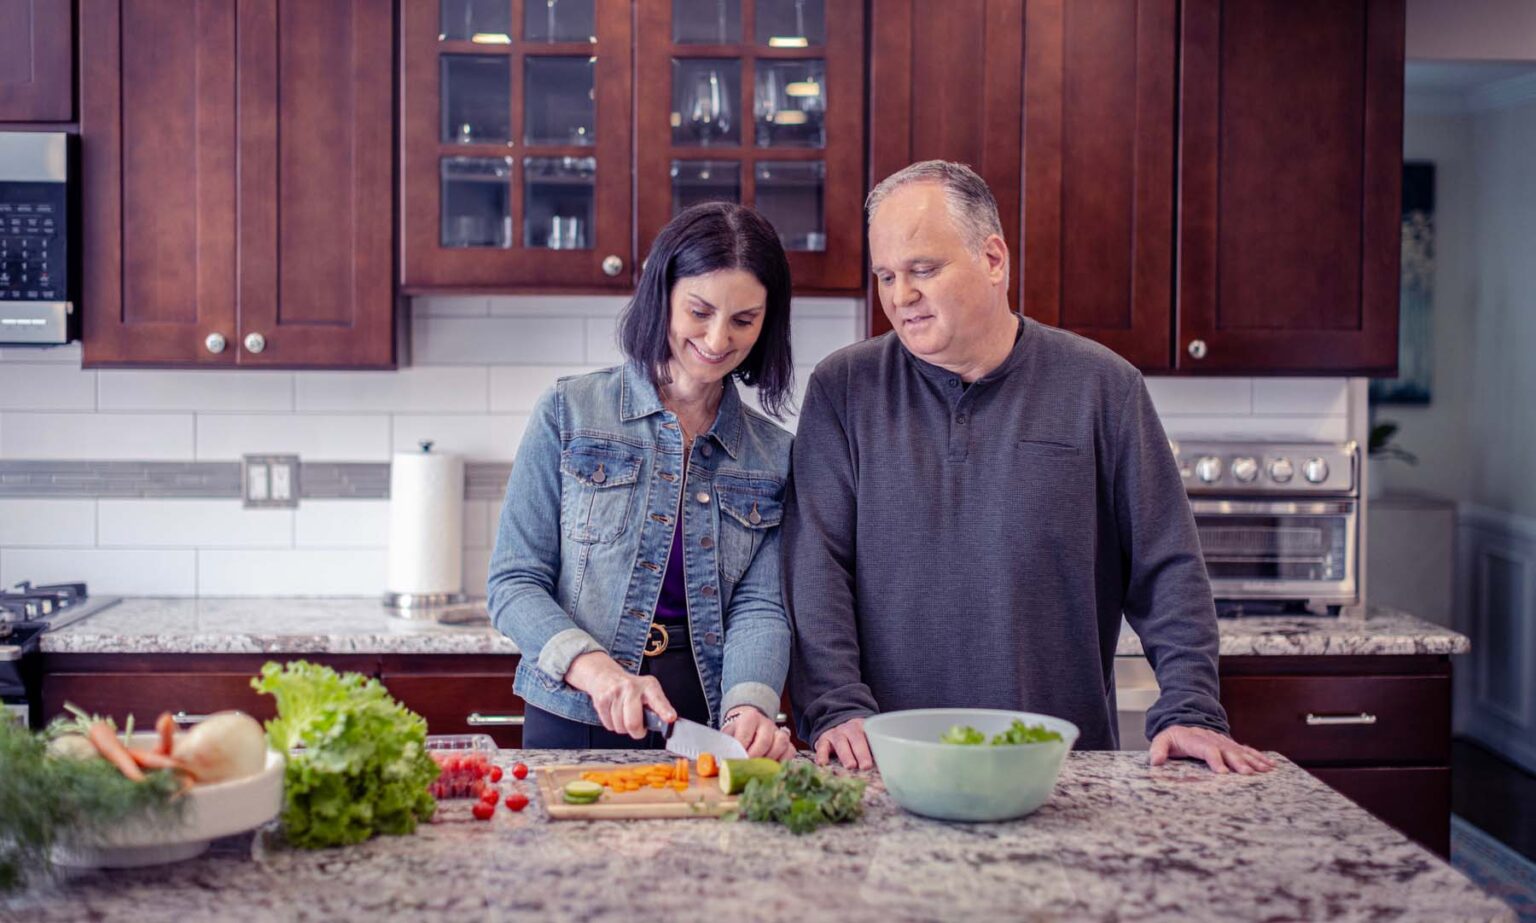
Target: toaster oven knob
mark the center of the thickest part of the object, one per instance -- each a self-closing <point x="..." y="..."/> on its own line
<point x="1208" y="468"/>
<point x="1281" y="470"/>
<point x="1315" y="470"/>
<point x="1245" y="469"/>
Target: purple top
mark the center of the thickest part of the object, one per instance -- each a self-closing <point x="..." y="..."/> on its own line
<point x="672" y="604"/>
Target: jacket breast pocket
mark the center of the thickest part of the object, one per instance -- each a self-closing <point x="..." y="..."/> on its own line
<point x="749" y="507"/>
<point x="597" y="488"/>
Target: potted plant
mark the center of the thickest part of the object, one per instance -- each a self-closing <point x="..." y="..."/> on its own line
<point x="1380" y="447"/>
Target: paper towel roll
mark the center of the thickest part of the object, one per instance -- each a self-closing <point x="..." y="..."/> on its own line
<point x="426" y="523"/>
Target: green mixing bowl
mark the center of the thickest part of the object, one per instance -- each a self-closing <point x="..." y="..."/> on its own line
<point x="953" y="782"/>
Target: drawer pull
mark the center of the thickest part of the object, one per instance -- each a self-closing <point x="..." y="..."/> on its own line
<point x="478" y="720"/>
<point x="182" y="717"/>
<point x="1319" y="720"/>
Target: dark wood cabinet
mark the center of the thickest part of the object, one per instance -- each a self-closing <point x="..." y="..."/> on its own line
<point x="949" y="87"/>
<point x="37" y="61"/>
<point x="237" y="174"/>
<point x="1378" y="729"/>
<point x="1290" y="177"/>
<point x="459" y="694"/>
<point x="1098" y="223"/>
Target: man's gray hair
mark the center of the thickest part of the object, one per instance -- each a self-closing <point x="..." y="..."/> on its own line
<point x="971" y="204"/>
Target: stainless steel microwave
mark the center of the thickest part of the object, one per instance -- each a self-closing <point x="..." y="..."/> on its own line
<point x="39" y="250"/>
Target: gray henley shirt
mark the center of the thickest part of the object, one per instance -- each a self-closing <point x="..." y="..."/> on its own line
<point x="975" y="546"/>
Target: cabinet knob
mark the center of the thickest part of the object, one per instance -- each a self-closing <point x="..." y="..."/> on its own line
<point x="255" y="342"/>
<point x="1197" y="349"/>
<point x="612" y="265"/>
<point x="215" y="343"/>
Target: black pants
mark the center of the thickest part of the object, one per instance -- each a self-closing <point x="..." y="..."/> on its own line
<point x="679" y="679"/>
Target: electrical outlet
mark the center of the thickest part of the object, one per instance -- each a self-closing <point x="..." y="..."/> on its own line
<point x="270" y="481"/>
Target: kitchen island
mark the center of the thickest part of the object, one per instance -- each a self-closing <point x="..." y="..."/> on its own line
<point x="1117" y="841"/>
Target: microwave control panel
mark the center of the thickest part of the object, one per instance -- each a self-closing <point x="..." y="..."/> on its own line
<point x="33" y="241"/>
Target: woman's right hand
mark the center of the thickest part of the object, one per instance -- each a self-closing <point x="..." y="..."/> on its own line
<point x="619" y="696"/>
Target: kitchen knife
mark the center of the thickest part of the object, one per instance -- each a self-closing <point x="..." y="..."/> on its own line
<point x="690" y="738"/>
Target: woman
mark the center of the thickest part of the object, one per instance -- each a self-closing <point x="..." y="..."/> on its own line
<point x="637" y="557"/>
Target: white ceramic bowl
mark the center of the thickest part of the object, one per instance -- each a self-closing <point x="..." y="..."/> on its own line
<point x="951" y="782"/>
<point x="212" y="811"/>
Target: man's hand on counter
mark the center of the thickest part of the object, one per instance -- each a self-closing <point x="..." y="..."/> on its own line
<point x="1220" y="752"/>
<point x="847" y="742"/>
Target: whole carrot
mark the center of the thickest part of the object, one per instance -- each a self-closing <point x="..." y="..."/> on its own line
<point x="106" y="743"/>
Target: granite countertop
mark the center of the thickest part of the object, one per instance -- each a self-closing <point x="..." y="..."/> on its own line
<point x="360" y="626"/>
<point x="1117" y="841"/>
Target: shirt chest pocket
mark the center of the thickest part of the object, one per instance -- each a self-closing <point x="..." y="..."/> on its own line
<point x="597" y="488"/>
<point x="749" y="508"/>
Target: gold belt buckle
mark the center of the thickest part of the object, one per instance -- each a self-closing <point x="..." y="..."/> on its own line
<point x="656" y="641"/>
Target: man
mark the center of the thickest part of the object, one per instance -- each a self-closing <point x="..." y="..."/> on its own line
<point x="977" y="498"/>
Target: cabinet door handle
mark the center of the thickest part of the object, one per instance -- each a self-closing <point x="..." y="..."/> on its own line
<point x="612" y="265"/>
<point x="215" y="343"/>
<point x="255" y="342"/>
<point x="182" y="717"/>
<point x="1197" y="349"/>
<point x="477" y="720"/>
<point x="1322" y="720"/>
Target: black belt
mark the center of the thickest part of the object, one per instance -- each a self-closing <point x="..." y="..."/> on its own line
<point x="666" y="638"/>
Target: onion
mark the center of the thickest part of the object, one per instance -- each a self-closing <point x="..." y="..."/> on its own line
<point x="228" y="745"/>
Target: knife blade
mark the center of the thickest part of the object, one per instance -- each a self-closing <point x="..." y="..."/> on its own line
<point x="691" y="739"/>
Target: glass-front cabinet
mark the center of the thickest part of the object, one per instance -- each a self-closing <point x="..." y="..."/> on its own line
<point x="759" y="102"/>
<point x="516" y="165"/>
<point x="546" y="142"/>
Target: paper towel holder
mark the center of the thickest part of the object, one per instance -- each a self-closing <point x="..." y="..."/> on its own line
<point x="426" y="606"/>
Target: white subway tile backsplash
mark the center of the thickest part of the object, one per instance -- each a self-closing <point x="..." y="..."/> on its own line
<point x="54" y="386"/>
<point x="808" y="306"/>
<point x="419" y="389"/>
<point x="121" y="572"/>
<point x="477" y="437"/>
<point x="1329" y="396"/>
<point x="603" y="342"/>
<point x="297" y="572"/>
<point x="168" y="523"/>
<point x="68" y="354"/>
<point x="516" y="388"/>
<point x="221" y="390"/>
<point x="342" y="524"/>
<point x="497" y="340"/>
<point x="103" y="436"/>
<point x="476" y="568"/>
<point x="815" y="338"/>
<point x="25" y="521"/>
<point x="1172" y="396"/>
<point x="333" y="437"/>
<point x="477" y="531"/>
<point x="452" y="305"/>
<point x="1270" y="428"/>
<point x="558" y="305"/>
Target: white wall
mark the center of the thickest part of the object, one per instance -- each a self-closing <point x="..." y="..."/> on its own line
<point x="480" y="363"/>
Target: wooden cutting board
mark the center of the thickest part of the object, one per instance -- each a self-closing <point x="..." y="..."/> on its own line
<point x="702" y="798"/>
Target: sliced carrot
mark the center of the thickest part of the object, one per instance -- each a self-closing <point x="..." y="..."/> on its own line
<point x="106" y="743"/>
<point x="657" y="784"/>
<point x="680" y="786"/>
<point x="680" y="771"/>
<point x="165" y="726"/>
<point x="707" y="767"/>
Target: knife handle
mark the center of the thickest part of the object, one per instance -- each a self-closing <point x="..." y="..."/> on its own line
<point x="653" y="722"/>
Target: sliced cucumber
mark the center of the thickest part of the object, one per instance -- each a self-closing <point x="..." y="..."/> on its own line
<point x="580" y="791"/>
<point x="735" y="774"/>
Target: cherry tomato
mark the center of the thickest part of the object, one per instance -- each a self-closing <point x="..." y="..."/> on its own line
<point x="490" y="796"/>
<point x="495" y="773"/>
<point x="517" y="801"/>
<point x="519" y="771"/>
<point x="483" y="811"/>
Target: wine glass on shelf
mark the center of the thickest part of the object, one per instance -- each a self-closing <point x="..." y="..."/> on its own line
<point x="710" y="113"/>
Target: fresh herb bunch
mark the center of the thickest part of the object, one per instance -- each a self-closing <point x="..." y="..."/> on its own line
<point x="363" y="768"/>
<point x="48" y="801"/>
<point x="1017" y="733"/>
<point x="803" y="798"/>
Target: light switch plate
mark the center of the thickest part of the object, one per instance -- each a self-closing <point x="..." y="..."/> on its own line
<point x="270" y="481"/>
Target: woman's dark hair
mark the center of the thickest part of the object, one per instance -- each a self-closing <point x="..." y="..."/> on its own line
<point x="703" y="239"/>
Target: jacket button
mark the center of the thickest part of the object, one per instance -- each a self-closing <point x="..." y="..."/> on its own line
<point x="706" y="542"/>
<point x="598" y="476"/>
<point x="754" y="517"/>
<point x="711" y="638"/>
<point x="708" y="591"/>
<point x="702" y="496"/>
<point x="707" y="449"/>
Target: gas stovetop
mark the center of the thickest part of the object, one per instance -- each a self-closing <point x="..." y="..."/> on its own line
<point x="27" y="611"/>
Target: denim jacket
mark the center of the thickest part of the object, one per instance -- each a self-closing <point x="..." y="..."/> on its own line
<point x="588" y="522"/>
